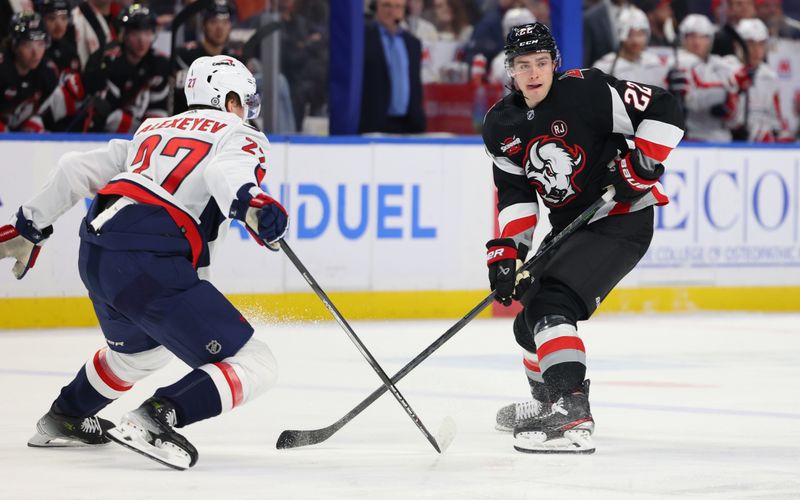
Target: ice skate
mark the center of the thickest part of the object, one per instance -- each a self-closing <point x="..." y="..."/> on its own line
<point x="148" y="430"/>
<point x="511" y="416"/>
<point x="56" y="430"/>
<point x="566" y="427"/>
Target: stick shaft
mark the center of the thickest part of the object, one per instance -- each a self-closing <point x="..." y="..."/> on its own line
<point x="387" y="384"/>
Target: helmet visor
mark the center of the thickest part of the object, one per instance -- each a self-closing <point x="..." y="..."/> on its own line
<point x="253" y="105"/>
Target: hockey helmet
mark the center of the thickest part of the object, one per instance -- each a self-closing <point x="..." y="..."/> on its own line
<point x="136" y="17"/>
<point x="531" y="37"/>
<point x="219" y="8"/>
<point x="631" y="18"/>
<point x="516" y="17"/>
<point x="211" y="78"/>
<point x="698" y="24"/>
<point x="49" y="6"/>
<point x="753" y="30"/>
<point x="27" y="26"/>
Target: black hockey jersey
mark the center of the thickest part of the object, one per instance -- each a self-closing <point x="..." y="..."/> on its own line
<point x="23" y="95"/>
<point x="128" y="94"/>
<point x="561" y="148"/>
<point x="65" y="56"/>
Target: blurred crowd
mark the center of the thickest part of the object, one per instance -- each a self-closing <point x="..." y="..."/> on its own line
<point x="101" y="65"/>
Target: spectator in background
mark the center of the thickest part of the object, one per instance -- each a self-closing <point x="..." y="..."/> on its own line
<point x="26" y="76"/>
<point x="94" y="26"/>
<point x="121" y="85"/>
<point x="729" y="13"/>
<point x="61" y="50"/>
<point x="712" y="83"/>
<point x="498" y="73"/>
<point x="451" y="20"/>
<point x="632" y="61"/>
<point x="764" y="120"/>
<point x="304" y="61"/>
<point x="779" y="25"/>
<point x="418" y="25"/>
<point x="488" y="37"/>
<point x="659" y="13"/>
<point x="216" y="25"/>
<point x="391" y="93"/>
<point x="600" y="30"/>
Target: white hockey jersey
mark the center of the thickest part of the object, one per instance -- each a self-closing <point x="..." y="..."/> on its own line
<point x="196" y="165"/>
<point x="650" y="69"/>
<point x="765" y="122"/>
<point x="711" y="82"/>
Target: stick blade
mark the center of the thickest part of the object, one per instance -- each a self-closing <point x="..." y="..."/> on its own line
<point x="446" y="434"/>
<point x="296" y="439"/>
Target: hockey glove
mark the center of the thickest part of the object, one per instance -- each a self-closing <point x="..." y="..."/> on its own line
<point x="678" y="82"/>
<point x="633" y="176"/>
<point x="22" y="242"/>
<point x="504" y="259"/>
<point x="267" y="220"/>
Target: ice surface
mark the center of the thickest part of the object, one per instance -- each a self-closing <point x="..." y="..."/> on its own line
<point x="701" y="406"/>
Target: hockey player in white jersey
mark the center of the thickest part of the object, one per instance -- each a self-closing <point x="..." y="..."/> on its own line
<point x="632" y="61"/>
<point x="713" y="83"/>
<point x="160" y="201"/>
<point x="763" y="116"/>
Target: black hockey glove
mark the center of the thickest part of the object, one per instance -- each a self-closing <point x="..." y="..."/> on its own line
<point x="22" y="242"/>
<point x="678" y="82"/>
<point x="633" y="176"/>
<point x="504" y="259"/>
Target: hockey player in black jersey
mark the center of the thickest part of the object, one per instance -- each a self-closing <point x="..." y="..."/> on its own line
<point x="61" y="50"/>
<point x="121" y="85"/>
<point x="217" y="25"/>
<point x="565" y="137"/>
<point x="27" y="77"/>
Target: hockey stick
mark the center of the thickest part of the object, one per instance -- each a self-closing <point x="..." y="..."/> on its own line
<point x="297" y="438"/>
<point x="179" y="20"/>
<point x="448" y="427"/>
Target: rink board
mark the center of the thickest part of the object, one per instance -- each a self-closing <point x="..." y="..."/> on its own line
<point x="396" y="228"/>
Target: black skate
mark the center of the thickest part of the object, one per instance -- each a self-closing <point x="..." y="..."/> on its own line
<point x="566" y="427"/>
<point x="148" y="430"/>
<point x="513" y="415"/>
<point x="56" y="430"/>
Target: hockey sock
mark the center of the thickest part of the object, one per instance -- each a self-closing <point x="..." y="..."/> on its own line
<point x="530" y="361"/>
<point x="203" y="394"/>
<point x="79" y="398"/>
<point x="562" y="355"/>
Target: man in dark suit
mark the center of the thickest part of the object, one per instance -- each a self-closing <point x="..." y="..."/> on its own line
<point x="391" y="93"/>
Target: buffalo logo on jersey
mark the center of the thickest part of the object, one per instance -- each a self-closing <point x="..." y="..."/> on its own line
<point x="511" y="146"/>
<point x="551" y="166"/>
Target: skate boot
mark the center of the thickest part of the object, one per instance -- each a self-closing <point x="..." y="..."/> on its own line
<point x="509" y="417"/>
<point x="56" y="430"/>
<point x="148" y="430"/>
<point x="566" y="427"/>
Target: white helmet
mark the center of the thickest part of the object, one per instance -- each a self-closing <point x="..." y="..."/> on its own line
<point x="211" y="78"/>
<point x="516" y="17"/>
<point x="752" y="29"/>
<point x="631" y="18"/>
<point x="698" y="24"/>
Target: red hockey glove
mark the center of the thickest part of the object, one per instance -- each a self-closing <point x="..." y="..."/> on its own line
<point x="22" y="242"/>
<point x="504" y="259"/>
<point x="631" y="178"/>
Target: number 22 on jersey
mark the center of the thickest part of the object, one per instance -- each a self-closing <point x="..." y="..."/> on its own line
<point x="195" y="151"/>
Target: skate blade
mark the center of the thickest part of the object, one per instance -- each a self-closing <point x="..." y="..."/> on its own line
<point x="133" y="440"/>
<point x="573" y="442"/>
<point x="446" y="434"/>
<point x="39" y="440"/>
